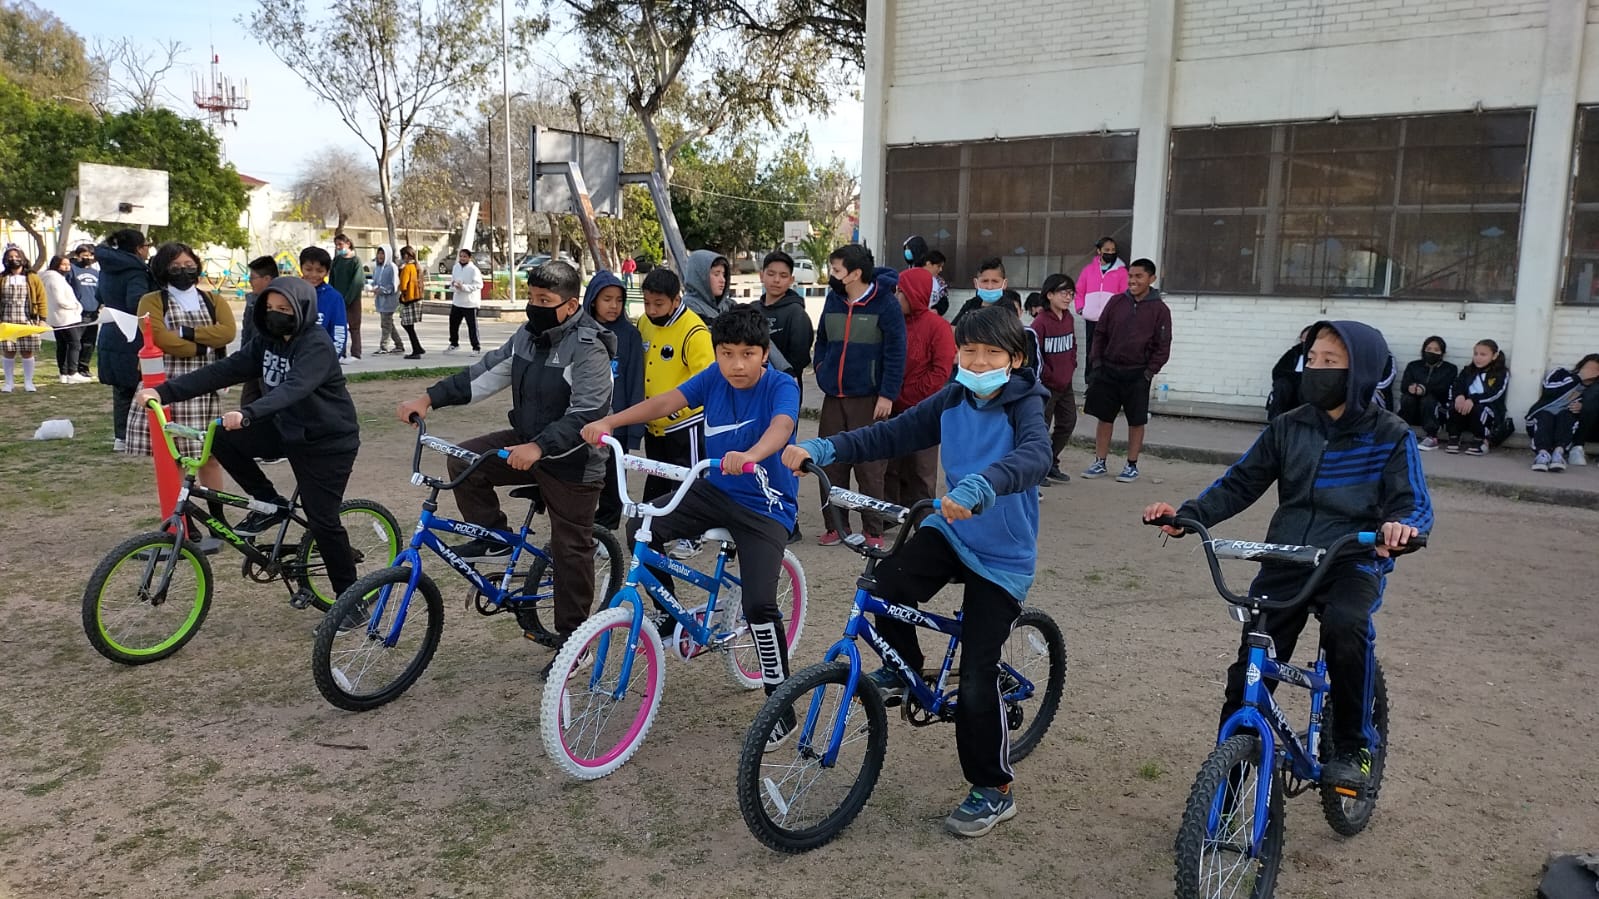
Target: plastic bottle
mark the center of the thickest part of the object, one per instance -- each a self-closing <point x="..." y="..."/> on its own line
<point x="1165" y="391"/>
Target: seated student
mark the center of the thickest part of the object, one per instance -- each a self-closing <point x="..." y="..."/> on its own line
<point x="1424" y="390"/>
<point x="990" y="285"/>
<point x="989" y="427"/>
<point x="751" y="410"/>
<point x="1588" y="417"/>
<point x="1285" y="378"/>
<point x="606" y="301"/>
<point x="1553" y="420"/>
<point x="1477" y="402"/>
<point x="558" y="367"/>
<point x="315" y="263"/>
<point x="677" y="346"/>
<point x="304" y="414"/>
<point x="1341" y="464"/>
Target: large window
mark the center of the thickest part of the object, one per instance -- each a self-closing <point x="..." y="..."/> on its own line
<point x="1582" y="261"/>
<point x="1037" y="204"/>
<point x="1416" y="207"/>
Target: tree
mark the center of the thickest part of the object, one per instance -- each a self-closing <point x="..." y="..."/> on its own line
<point x="41" y="55"/>
<point x="133" y="73"/>
<point x="724" y="61"/>
<point x="384" y="65"/>
<point x="729" y="200"/>
<point x="334" y="184"/>
<point x="205" y="196"/>
<point x="41" y="144"/>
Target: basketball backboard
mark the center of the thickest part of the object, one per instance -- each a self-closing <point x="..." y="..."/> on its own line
<point x="128" y="196"/>
<point x="598" y="158"/>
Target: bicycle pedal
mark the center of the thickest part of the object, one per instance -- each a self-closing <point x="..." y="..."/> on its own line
<point x="547" y="640"/>
<point x="1347" y="792"/>
<point x="300" y="599"/>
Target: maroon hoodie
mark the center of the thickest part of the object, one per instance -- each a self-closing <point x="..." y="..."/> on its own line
<point x="1057" y="348"/>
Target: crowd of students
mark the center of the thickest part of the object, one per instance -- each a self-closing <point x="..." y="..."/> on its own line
<point x="1462" y="409"/>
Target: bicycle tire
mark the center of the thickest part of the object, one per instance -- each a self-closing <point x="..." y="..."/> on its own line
<point x="104" y="636"/>
<point x="588" y="708"/>
<point x="743" y="664"/>
<point x="333" y="653"/>
<point x="1052" y="642"/>
<point x="527" y="612"/>
<point x="360" y="517"/>
<point x="1350" y="816"/>
<point x="756" y="787"/>
<point x="1196" y="847"/>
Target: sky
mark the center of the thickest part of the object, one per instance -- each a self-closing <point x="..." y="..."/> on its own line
<point x="270" y="141"/>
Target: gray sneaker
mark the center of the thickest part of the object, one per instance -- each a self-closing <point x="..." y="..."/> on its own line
<point x="888" y="685"/>
<point x="983" y="809"/>
<point x="1558" y="461"/>
<point x="1129" y="474"/>
<point x="1540" y="462"/>
<point x="1097" y="470"/>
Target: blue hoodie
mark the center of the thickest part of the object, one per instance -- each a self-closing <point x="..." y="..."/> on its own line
<point x="999" y="448"/>
<point x="860" y="345"/>
<point x="627" y="367"/>
<point x="1333" y="477"/>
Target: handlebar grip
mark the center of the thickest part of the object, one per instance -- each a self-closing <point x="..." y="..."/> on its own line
<point x="1372" y="538"/>
<point x="503" y="454"/>
<point x="414" y="418"/>
<point x="1162" y="521"/>
<point x="749" y="468"/>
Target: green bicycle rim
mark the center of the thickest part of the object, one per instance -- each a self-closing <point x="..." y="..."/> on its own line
<point x="195" y="610"/>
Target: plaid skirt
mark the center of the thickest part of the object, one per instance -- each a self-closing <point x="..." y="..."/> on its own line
<point x="410" y="313"/>
<point x="14" y="309"/>
<point x="196" y="413"/>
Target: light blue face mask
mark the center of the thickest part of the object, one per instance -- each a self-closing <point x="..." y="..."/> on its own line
<point x="990" y="296"/>
<point x="909" y="257"/>
<point x="982" y="384"/>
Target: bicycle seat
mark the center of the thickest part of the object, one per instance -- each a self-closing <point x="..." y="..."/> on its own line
<point x="720" y="535"/>
<point x="532" y="493"/>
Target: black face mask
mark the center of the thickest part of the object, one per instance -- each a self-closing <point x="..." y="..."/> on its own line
<point x="278" y="324"/>
<point x="1108" y="258"/>
<point x="835" y="285"/>
<point x="1432" y="358"/>
<point x="542" y="318"/>
<point x="661" y="321"/>
<point x="1324" y="388"/>
<point x="183" y="278"/>
<point x="13" y="263"/>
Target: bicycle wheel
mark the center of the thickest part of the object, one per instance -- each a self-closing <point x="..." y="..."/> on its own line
<point x="792" y="802"/>
<point x="743" y="663"/>
<point x="609" y="561"/>
<point x="374" y="539"/>
<point x="134" y="612"/>
<point x="1349" y="815"/>
<point x="374" y="661"/>
<point x="1215" y="858"/>
<point x="1035" y="650"/>
<point x="591" y="720"/>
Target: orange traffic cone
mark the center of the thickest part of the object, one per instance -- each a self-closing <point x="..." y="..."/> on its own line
<point x="152" y="371"/>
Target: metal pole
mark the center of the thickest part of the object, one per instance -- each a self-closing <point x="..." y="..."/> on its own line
<point x="510" y="185"/>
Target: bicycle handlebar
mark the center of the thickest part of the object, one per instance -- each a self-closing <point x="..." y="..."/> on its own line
<point x="687" y="476"/>
<point x="472" y="460"/>
<point x="1215" y="550"/>
<point x="839" y="499"/>
<point x="171" y="429"/>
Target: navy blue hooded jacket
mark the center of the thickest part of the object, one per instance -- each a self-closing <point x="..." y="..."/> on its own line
<point x="1333" y="477"/>
<point x="627" y="368"/>
<point x="124" y="280"/>
<point x="860" y="346"/>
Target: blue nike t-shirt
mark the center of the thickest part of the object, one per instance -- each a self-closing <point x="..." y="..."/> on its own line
<point x="734" y="422"/>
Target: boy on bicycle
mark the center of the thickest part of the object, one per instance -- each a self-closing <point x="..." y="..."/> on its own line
<point x="1342" y="464"/>
<point x="750" y="414"/>
<point x="304" y="414"/>
<point x="994" y="449"/>
<point x="558" y="367"/>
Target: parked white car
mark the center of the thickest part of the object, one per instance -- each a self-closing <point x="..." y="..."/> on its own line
<point x="804" y="271"/>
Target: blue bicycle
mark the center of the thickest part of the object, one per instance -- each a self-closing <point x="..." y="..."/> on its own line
<point x="606" y="683"/>
<point x="802" y="794"/>
<point x="362" y="667"/>
<point x="1231" y="838"/>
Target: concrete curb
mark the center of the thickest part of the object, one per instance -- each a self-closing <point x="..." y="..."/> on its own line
<point x="1554" y="496"/>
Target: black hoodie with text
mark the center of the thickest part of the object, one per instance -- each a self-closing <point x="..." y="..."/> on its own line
<point x="303" y="392"/>
<point x="792" y="331"/>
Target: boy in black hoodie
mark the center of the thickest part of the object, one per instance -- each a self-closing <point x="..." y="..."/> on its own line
<point x="304" y="414"/>
<point x="606" y="301"/>
<point x="792" y="331"/>
<point x="1341" y="464"/>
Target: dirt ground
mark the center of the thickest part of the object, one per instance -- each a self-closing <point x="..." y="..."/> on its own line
<point x="222" y="772"/>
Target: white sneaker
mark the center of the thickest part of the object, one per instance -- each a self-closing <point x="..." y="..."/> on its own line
<point x="1577" y="456"/>
<point x="118" y="445"/>
<point x="82" y="379"/>
<point x="1540" y="462"/>
<point x="685" y="549"/>
<point x="1558" y="463"/>
<point x="67" y="379"/>
<point x="7" y="388"/>
<point x="30" y="388"/>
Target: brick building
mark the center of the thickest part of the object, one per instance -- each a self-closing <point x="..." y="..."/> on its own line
<point x="1428" y="166"/>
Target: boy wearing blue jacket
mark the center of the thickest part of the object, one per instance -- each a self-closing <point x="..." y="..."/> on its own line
<point x="994" y="449"/>
<point x="1342" y="464"/>
<point x="606" y="302"/>
<point x="860" y="364"/>
<point x="315" y="263"/>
